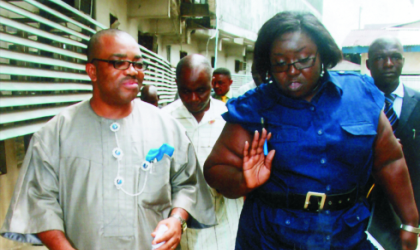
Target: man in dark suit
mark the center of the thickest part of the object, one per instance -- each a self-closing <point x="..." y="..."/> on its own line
<point x="402" y="106"/>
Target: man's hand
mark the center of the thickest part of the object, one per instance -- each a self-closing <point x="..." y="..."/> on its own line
<point x="172" y="236"/>
<point x="256" y="166"/>
<point x="408" y="240"/>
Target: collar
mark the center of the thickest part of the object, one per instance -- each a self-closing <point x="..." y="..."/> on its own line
<point x="182" y="112"/>
<point x="229" y="94"/>
<point x="329" y="79"/>
<point x="399" y="91"/>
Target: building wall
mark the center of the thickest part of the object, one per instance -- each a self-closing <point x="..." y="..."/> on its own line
<point x="251" y="14"/>
<point x="119" y="9"/>
<point x="241" y="18"/>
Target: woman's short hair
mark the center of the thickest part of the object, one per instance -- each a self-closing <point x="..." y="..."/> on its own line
<point x="290" y="21"/>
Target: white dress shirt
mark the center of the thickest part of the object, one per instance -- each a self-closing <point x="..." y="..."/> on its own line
<point x="399" y="92"/>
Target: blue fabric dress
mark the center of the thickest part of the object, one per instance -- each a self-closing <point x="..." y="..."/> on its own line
<point x="323" y="146"/>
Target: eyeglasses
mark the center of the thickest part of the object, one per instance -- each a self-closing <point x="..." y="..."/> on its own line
<point x="124" y="64"/>
<point x="299" y="64"/>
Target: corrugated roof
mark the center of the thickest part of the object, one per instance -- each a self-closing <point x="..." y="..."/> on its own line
<point x="415" y="24"/>
<point x="407" y="36"/>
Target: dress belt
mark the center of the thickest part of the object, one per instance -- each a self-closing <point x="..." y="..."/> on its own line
<point x="311" y="201"/>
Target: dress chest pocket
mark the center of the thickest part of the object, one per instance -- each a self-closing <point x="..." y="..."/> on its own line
<point x="359" y="129"/>
<point x="357" y="142"/>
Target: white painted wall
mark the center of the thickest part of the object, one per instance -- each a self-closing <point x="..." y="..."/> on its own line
<point x="236" y="15"/>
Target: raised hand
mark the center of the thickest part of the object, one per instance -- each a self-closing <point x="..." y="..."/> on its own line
<point x="256" y="166"/>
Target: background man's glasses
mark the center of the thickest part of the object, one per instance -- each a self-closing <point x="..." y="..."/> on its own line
<point x="124" y="64"/>
<point x="299" y="64"/>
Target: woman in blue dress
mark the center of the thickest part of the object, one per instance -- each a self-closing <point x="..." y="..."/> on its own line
<point x="325" y="132"/>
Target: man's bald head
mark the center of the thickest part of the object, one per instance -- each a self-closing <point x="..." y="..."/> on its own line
<point x="193" y="79"/>
<point x="195" y="61"/>
<point x="149" y="94"/>
<point x="94" y="42"/>
<point x="382" y="43"/>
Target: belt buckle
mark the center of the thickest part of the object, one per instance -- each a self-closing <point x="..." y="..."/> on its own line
<point x="320" y="205"/>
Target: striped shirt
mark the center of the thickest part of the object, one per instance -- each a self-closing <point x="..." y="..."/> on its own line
<point x="203" y="136"/>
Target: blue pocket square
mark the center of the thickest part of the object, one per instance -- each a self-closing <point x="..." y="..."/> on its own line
<point x="157" y="153"/>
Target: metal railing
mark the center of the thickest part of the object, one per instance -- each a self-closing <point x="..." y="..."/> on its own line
<point x="42" y="58"/>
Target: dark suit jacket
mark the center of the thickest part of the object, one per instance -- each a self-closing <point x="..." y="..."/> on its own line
<point x="384" y="224"/>
<point x="408" y="131"/>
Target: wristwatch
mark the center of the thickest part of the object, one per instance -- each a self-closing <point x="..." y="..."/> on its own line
<point x="183" y="222"/>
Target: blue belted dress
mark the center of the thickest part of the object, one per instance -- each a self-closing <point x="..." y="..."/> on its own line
<point x="323" y="146"/>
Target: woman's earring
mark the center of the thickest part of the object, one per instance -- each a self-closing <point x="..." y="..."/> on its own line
<point x="322" y="71"/>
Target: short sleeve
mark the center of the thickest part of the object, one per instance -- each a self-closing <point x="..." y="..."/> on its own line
<point x="245" y="110"/>
<point x="34" y="207"/>
<point x="377" y="95"/>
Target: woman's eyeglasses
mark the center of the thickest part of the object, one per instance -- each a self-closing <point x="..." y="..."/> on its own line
<point x="299" y="64"/>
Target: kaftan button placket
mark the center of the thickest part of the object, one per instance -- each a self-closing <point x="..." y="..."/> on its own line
<point x="119" y="181"/>
<point x="114" y="127"/>
<point x="145" y="165"/>
<point x="117" y="153"/>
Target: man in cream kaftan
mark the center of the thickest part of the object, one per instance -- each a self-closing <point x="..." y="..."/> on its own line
<point x="67" y="180"/>
<point x="104" y="173"/>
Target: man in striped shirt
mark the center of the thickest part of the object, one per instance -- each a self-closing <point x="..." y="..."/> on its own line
<point x="200" y="114"/>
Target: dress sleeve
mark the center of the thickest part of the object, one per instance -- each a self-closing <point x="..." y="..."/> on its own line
<point x="377" y="95"/>
<point x="35" y="207"/>
<point x="244" y="111"/>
